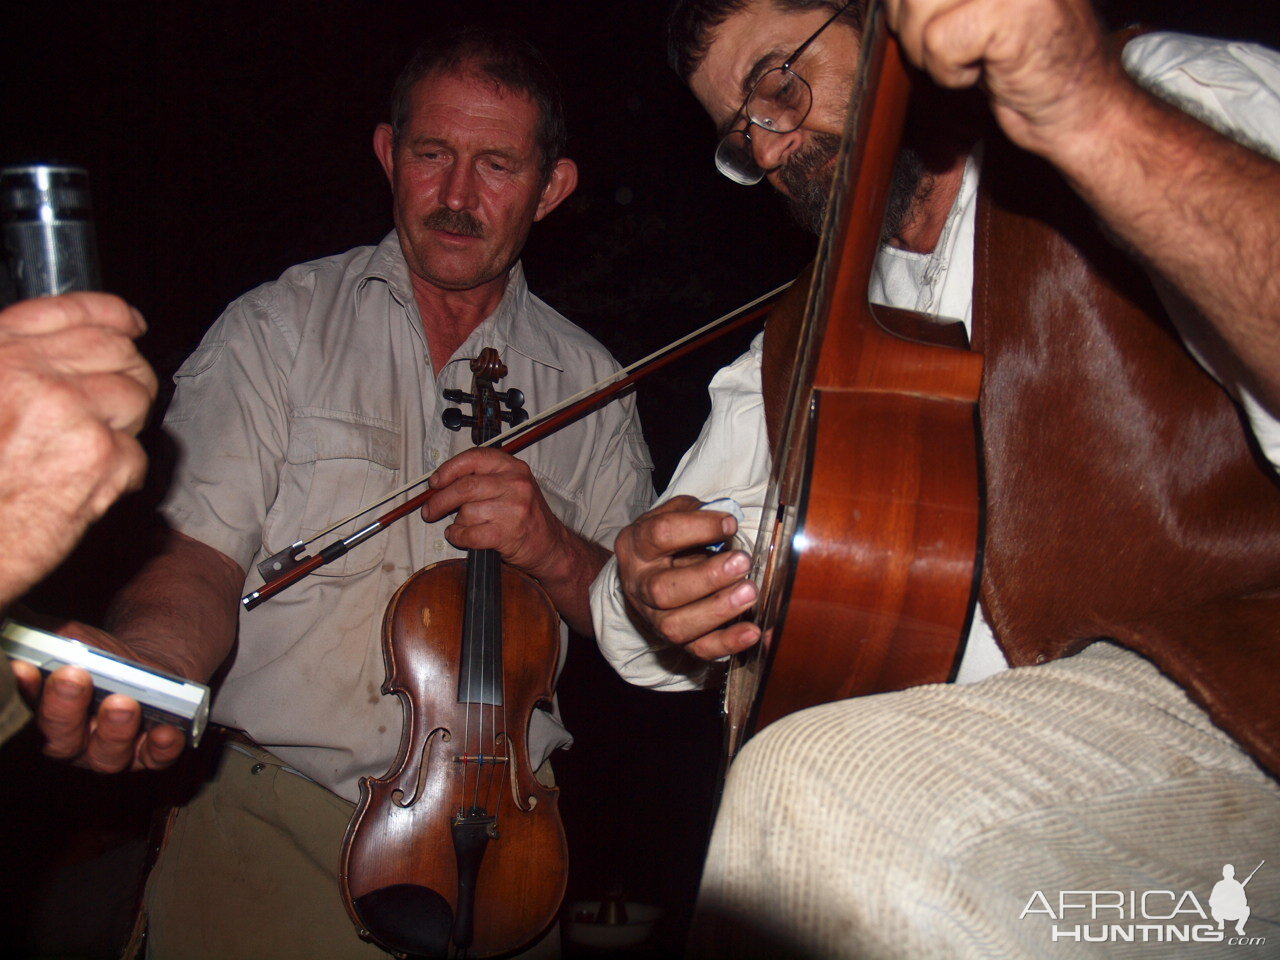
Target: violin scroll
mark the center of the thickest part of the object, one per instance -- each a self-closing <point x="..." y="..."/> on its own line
<point x="485" y="423"/>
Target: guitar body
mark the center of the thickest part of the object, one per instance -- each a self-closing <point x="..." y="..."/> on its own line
<point x="868" y="572"/>
<point x="871" y="570"/>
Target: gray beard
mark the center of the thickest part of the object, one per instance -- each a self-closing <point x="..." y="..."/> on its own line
<point x="807" y="176"/>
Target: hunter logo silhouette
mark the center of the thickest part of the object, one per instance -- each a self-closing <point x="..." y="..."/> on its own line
<point x="1228" y="900"/>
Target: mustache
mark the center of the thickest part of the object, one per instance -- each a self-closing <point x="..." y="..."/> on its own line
<point x="807" y="177"/>
<point x="802" y="166"/>
<point x="454" y="221"/>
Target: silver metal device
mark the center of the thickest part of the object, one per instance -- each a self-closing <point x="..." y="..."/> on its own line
<point x="164" y="698"/>
<point x="47" y="240"/>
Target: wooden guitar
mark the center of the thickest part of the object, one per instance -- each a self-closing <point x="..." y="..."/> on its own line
<point x="867" y="555"/>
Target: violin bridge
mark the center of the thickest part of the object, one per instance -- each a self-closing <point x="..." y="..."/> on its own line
<point x="479" y="758"/>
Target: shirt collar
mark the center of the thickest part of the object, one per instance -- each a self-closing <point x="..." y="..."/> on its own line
<point x="511" y="325"/>
<point x="387" y="264"/>
<point x="514" y="322"/>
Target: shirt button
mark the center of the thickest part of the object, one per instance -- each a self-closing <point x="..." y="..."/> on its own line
<point x="439" y="546"/>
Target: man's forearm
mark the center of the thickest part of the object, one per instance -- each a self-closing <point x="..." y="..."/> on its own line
<point x="181" y="611"/>
<point x="568" y="577"/>
<point x="1201" y="210"/>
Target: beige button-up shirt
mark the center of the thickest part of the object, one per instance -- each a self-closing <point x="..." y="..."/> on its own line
<point x="313" y="396"/>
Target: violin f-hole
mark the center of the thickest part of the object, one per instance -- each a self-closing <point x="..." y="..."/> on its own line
<point x="424" y="766"/>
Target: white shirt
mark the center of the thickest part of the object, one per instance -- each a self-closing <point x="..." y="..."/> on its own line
<point x="1232" y="86"/>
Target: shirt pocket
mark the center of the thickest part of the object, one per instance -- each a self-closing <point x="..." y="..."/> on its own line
<point x="334" y="465"/>
<point x="188" y="400"/>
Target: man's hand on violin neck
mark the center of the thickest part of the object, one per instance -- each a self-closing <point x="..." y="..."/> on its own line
<point x="108" y="740"/>
<point x="1043" y="63"/>
<point x="687" y="596"/>
<point x="497" y="505"/>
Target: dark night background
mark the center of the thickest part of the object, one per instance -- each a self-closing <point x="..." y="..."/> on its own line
<point x="228" y="141"/>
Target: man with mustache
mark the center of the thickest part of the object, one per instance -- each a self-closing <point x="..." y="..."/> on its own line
<point x="316" y="395"/>
<point x="1132" y="551"/>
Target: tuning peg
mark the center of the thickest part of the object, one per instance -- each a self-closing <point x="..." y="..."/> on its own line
<point x="514" y="417"/>
<point x="455" y="419"/>
<point x="513" y="398"/>
<point x="458" y="396"/>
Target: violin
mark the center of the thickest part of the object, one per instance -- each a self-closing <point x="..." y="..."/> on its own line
<point x="459" y="850"/>
<point x="868" y="565"/>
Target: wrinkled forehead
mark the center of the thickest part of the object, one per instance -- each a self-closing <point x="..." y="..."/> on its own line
<point x="473" y="93"/>
<point x="749" y="42"/>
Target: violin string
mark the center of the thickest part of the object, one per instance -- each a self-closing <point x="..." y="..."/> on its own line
<point x="490" y="427"/>
<point x="468" y="747"/>
<point x="472" y="745"/>
<point x="474" y="707"/>
<point x="502" y="776"/>
<point x="494" y="679"/>
<point x="486" y="708"/>
<point x="502" y="734"/>
<point x="494" y="666"/>
<point x="481" y="706"/>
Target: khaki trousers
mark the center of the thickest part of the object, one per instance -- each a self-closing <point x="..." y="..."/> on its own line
<point x="1020" y="817"/>
<point x="249" y="871"/>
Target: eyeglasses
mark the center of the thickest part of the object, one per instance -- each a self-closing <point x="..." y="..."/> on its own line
<point x="778" y="102"/>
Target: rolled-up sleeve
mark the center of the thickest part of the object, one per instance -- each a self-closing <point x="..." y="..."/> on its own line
<point x="1234" y="88"/>
<point x="228" y="420"/>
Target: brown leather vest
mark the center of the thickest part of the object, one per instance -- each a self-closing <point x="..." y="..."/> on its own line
<point x="1125" y="496"/>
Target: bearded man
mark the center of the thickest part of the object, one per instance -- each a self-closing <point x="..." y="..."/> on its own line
<point x="1109" y="727"/>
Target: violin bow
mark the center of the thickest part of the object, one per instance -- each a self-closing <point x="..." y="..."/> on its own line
<point x="287" y="567"/>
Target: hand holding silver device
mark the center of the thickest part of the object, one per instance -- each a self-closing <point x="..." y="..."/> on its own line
<point x="164" y="698"/>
